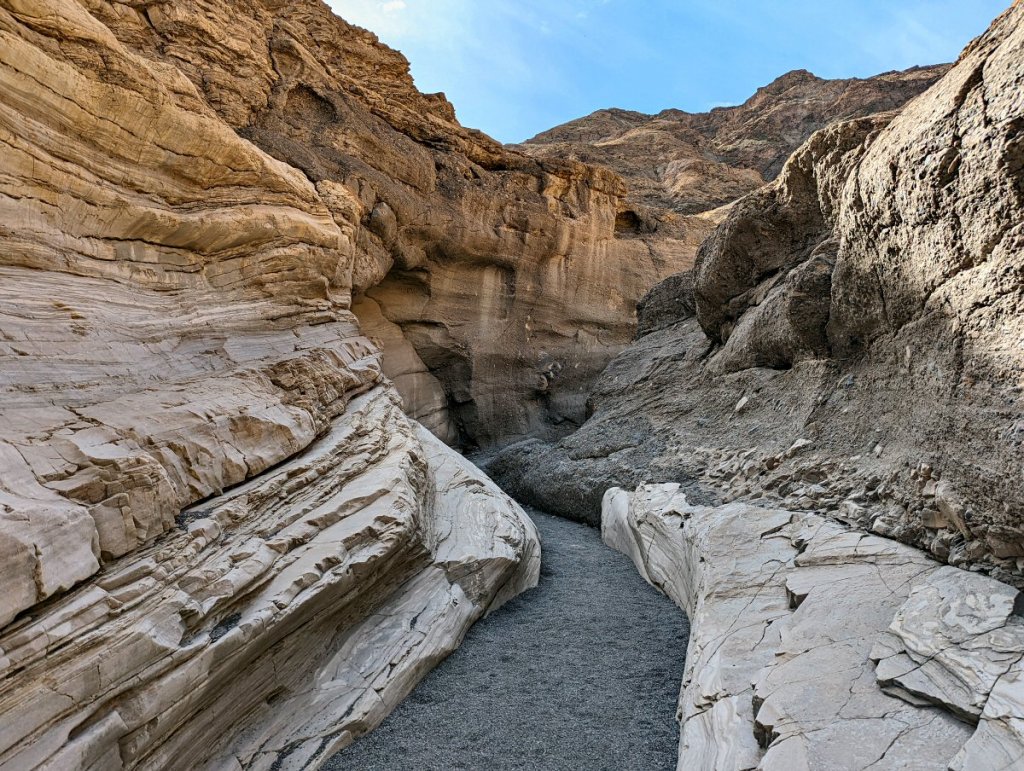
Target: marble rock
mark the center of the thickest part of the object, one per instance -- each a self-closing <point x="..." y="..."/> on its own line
<point x="222" y="542"/>
<point x="280" y="620"/>
<point x="999" y="741"/>
<point x="956" y="635"/>
<point x="789" y="613"/>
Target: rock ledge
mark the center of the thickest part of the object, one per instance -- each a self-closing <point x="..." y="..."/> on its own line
<point x="790" y="613"/>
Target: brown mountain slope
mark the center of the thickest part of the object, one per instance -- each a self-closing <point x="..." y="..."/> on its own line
<point x="694" y="162"/>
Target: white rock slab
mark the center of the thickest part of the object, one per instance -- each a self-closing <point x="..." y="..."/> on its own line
<point x="999" y="741"/>
<point x="284" y="619"/>
<point x="952" y="640"/>
<point x="785" y="609"/>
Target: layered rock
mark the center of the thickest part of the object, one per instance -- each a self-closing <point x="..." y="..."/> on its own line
<point x="223" y="542"/>
<point x="851" y="343"/>
<point x="789" y="613"/>
<point x="679" y="163"/>
<point x="514" y="279"/>
<point x="505" y="274"/>
<point x="279" y="621"/>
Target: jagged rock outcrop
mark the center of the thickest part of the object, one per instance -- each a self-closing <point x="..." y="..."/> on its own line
<point x="790" y="613"/>
<point x="690" y="163"/>
<point x="223" y="543"/>
<point x="513" y="279"/>
<point x="852" y="343"/>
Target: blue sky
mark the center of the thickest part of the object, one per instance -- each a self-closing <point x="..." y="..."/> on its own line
<point x="514" y="68"/>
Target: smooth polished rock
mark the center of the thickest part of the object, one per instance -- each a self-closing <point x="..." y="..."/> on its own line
<point x="954" y="638"/>
<point x="785" y="608"/>
<point x="280" y="620"/>
<point x="999" y="740"/>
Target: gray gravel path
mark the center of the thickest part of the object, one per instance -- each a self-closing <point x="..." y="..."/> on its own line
<point x="581" y="673"/>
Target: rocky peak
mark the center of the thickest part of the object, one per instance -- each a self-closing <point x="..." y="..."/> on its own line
<point x="689" y="163"/>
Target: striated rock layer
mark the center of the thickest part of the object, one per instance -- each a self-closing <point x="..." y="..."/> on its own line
<point x="507" y="282"/>
<point x="222" y="542"/>
<point x="683" y="169"/>
<point x="849" y="340"/>
<point x="504" y="274"/>
<point x="790" y="613"/>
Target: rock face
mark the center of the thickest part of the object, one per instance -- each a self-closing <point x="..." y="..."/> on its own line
<point x="505" y="274"/>
<point x="222" y="541"/>
<point x="683" y="171"/>
<point x="851" y="345"/>
<point x="690" y="163"/>
<point x="512" y="279"/>
<point x="236" y="239"/>
<point x="789" y="613"/>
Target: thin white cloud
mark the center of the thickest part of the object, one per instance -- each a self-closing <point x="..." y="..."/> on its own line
<point x="512" y="64"/>
<point x="399" y="21"/>
<point x="493" y="58"/>
<point x="458" y="34"/>
<point x="911" y="38"/>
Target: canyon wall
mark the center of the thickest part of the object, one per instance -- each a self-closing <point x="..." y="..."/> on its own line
<point x="513" y="279"/>
<point x="503" y="274"/>
<point x="816" y="646"/>
<point x="849" y="340"/>
<point x="223" y="542"/>
<point x="242" y="255"/>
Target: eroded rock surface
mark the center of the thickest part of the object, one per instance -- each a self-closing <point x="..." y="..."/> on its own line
<point x="505" y="273"/>
<point x="683" y="169"/>
<point x="223" y="542"/>
<point x="954" y="638"/>
<point x="696" y="162"/>
<point x="851" y="343"/>
<point x="790" y="612"/>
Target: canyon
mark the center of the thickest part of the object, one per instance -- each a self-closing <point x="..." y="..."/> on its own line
<point x="259" y="291"/>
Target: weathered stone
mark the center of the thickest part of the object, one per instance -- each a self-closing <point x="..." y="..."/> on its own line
<point x="378" y="543"/>
<point x="223" y="543"/>
<point x="954" y="637"/>
<point x="999" y="740"/>
<point x="785" y="609"/>
<point x="866" y="300"/>
<point x="666" y="304"/>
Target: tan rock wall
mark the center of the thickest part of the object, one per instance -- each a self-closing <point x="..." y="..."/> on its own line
<point x="222" y="541"/>
<point x="521" y="259"/>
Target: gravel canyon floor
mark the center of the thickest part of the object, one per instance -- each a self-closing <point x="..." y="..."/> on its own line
<point x="581" y="672"/>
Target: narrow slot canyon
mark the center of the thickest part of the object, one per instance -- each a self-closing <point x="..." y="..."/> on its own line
<point x="337" y="434"/>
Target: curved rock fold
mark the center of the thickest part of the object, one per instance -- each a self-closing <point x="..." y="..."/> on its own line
<point x="223" y="542"/>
